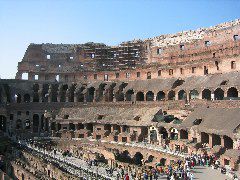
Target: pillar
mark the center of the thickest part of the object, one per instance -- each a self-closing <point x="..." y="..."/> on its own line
<point x="210" y="140"/>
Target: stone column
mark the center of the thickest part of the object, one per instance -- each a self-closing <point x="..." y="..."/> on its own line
<point x="59" y="93"/>
<point x="210" y="140"/>
<point x="75" y="96"/>
<point x="222" y="141"/>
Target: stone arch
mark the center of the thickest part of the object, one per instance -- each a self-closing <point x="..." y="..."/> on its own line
<point x="45" y="92"/>
<point x="206" y="94"/>
<point x="129" y="95"/>
<point x="171" y="95"/>
<point x="163" y="132"/>
<point x="27" y="124"/>
<point x="181" y="95"/>
<point x="35" y="123"/>
<point x="71" y="93"/>
<point x="124" y="157"/>
<point x="228" y="142"/>
<point x="19" y="124"/>
<point x="63" y="93"/>
<point x="173" y="133"/>
<point x="183" y="134"/>
<point x="232" y="92"/>
<point x="3" y="123"/>
<point x="90" y="94"/>
<point x="139" y="96"/>
<point x="204" y="137"/>
<point x="137" y="159"/>
<point x="18" y="98"/>
<point x="109" y="94"/>
<point x="160" y="96"/>
<point x="150" y="96"/>
<point x="194" y="94"/>
<point x="26" y="98"/>
<point x="218" y="94"/>
<point x="216" y="140"/>
<point x="54" y="95"/>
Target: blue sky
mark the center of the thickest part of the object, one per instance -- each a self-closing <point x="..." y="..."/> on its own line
<point x="108" y="21"/>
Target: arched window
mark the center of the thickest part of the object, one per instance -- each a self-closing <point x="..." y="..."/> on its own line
<point x="206" y="94"/>
<point x="150" y="96"/>
<point x="181" y="95"/>
<point x="129" y="95"/>
<point x="232" y="92"/>
<point x="140" y="96"/>
<point x="218" y="94"/>
<point x="160" y="96"/>
<point x="171" y="95"/>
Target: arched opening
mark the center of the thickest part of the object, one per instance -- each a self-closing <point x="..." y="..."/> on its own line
<point x="54" y="93"/>
<point x="173" y="133"/>
<point x="228" y="142"/>
<point x="35" y="123"/>
<point x="162" y="162"/>
<point x="150" y="159"/>
<point x="72" y="126"/>
<point x="183" y="134"/>
<point x="45" y="93"/>
<point x="129" y="95"/>
<point x="89" y="127"/>
<point x="46" y="124"/>
<point x="27" y="124"/>
<point x="18" y="98"/>
<point x="63" y="93"/>
<point x="80" y="126"/>
<point x="182" y="95"/>
<point x="26" y="98"/>
<point x="35" y="93"/>
<point x="123" y="157"/>
<point x="90" y="95"/>
<point x="160" y="96"/>
<point x="163" y="132"/>
<point x="206" y="94"/>
<point x="137" y="159"/>
<point x="35" y="87"/>
<point x="19" y="124"/>
<point x="80" y="97"/>
<point x="107" y="127"/>
<point x="140" y="96"/>
<point x="218" y="94"/>
<point x="204" y="137"/>
<point x="53" y="126"/>
<point x="149" y="96"/>
<point x="171" y="95"/>
<point x="3" y="123"/>
<point x="216" y="140"/>
<point x="71" y="93"/>
<point x="194" y="94"/>
<point x="153" y="134"/>
<point x="232" y="92"/>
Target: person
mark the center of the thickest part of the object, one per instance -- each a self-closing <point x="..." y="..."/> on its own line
<point x="191" y="176"/>
<point x="126" y="176"/>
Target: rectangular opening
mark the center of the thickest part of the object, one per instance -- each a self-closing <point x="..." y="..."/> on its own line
<point x="36" y="77"/>
<point x="71" y="57"/>
<point x="170" y="72"/>
<point x="207" y="43"/>
<point x="37" y="65"/>
<point x="181" y="71"/>
<point x="66" y="78"/>
<point x="233" y="65"/>
<point x="48" y="56"/>
<point x="182" y="47"/>
<point x="105" y="77"/>
<point x="193" y="70"/>
<point x="95" y="76"/>
<point x="127" y="75"/>
<point x="117" y="75"/>
<point x="138" y="74"/>
<point x="24" y="76"/>
<point x="84" y="76"/>
<point x="159" y="50"/>
<point x="149" y="75"/>
<point x="66" y="116"/>
<point x="159" y="72"/>
<point x="57" y="78"/>
<point x="236" y="37"/>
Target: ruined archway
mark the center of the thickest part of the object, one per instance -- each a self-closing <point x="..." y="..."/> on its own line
<point x="26" y="98"/>
<point x="218" y="94"/>
<point x="228" y="142"/>
<point x="181" y="95"/>
<point x="3" y="123"/>
<point x="204" y="137"/>
<point x="160" y="96"/>
<point x="163" y="132"/>
<point x="183" y="134"/>
<point x="232" y="92"/>
<point x="194" y="94"/>
<point x="137" y="159"/>
<point x="140" y="96"/>
<point x="90" y="94"/>
<point x="171" y="95"/>
<point x="63" y="93"/>
<point x="150" y="96"/>
<point x="35" y="123"/>
<point x="216" y="140"/>
<point x="206" y="94"/>
<point x="129" y="95"/>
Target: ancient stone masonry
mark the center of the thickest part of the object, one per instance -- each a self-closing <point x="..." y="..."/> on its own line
<point x="135" y="103"/>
